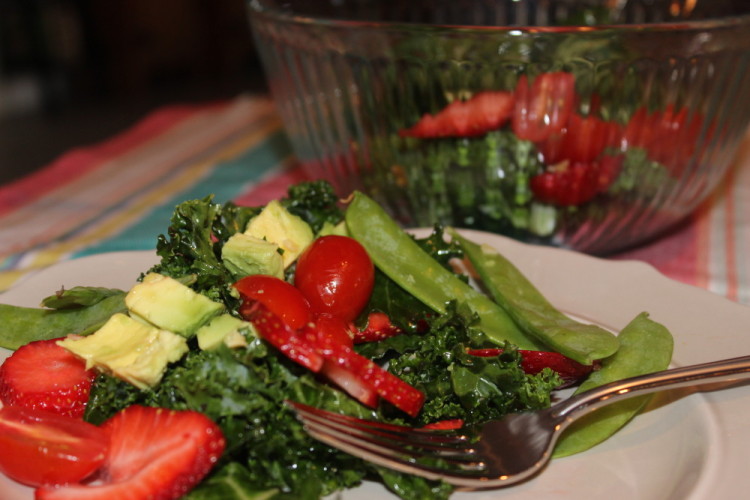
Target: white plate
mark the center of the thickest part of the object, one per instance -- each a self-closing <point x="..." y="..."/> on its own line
<point x="694" y="447"/>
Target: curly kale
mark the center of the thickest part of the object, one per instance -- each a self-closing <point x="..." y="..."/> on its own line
<point x="457" y="384"/>
<point x="315" y="202"/>
<point x="244" y="391"/>
<point x="199" y="228"/>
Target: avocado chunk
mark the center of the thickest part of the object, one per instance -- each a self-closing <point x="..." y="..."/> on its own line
<point x="224" y="329"/>
<point x="329" y="228"/>
<point x="170" y="305"/>
<point x="129" y="349"/>
<point x="244" y="255"/>
<point x="277" y="225"/>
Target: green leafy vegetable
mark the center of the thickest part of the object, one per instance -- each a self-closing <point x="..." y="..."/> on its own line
<point x="645" y="347"/>
<point x="398" y="256"/>
<point x="538" y="318"/>
<point x="80" y="310"/>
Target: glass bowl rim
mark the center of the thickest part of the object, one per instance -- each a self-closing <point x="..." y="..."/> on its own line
<point x="260" y="8"/>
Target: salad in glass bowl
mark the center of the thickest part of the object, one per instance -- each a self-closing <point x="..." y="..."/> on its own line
<point x="178" y="385"/>
<point x="592" y="125"/>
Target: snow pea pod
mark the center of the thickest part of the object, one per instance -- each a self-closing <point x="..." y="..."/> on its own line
<point x="22" y="325"/>
<point x="536" y="317"/>
<point x="645" y="347"/>
<point x="396" y="254"/>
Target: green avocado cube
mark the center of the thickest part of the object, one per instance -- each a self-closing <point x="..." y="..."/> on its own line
<point x="223" y="329"/>
<point x="277" y="225"/>
<point x="128" y="349"/>
<point x="170" y="305"/>
<point x="244" y="255"/>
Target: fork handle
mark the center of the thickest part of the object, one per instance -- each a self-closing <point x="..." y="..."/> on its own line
<point x="716" y="371"/>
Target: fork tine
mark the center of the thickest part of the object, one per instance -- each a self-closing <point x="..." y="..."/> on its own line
<point x="375" y="442"/>
<point x="433" y="440"/>
<point x="401" y="443"/>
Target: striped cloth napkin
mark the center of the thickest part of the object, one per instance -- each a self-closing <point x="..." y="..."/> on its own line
<point x="119" y="195"/>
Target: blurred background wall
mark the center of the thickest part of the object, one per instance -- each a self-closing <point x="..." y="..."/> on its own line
<point x="74" y="72"/>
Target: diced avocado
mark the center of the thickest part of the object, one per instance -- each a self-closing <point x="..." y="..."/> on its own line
<point x="277" y="225"/>
<point x="129" y="349"/>
<point x="170" y="305"/>
<point x="244" y="255"/>
<point x="225" y="328"/>
<point x="328" y="228"/>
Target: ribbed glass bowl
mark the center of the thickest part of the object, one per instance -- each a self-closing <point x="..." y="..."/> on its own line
<point x="593" y="125"/>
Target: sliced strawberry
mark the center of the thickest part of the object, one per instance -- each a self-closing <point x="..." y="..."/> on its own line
<point x="445" y="425"/>
<point x="154" y="453"/>
<point x="533" y="362"/>
<point x="325" y="350"/>
<point x="491" y="109"/>
<point x="485" y="111"/>
<point x="385" y="384"/>
<point x="280" y="335"/>
<point x="328" y="331"/>
<point x="42" y="375"/>
<point x="379" y="327"/>
<point x="583" y="139"/>
<point x="350" y="383"/>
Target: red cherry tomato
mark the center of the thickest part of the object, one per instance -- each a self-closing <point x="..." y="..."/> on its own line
<point x="279" y="297"/>
<point x="45" y="449"/>
<point x="542" y="108"/>
<point x="336" y="275"/>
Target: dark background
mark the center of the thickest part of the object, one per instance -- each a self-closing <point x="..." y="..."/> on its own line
<point x="75" y="72"/>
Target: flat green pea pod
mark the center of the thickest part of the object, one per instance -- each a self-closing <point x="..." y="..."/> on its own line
<point x="645" y="347"/>
<point x="533" y="313"/>
<point x="22" y="325"/>
<point x="396" y="254"/>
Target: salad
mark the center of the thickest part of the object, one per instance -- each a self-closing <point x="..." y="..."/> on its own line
<point x="544" y="138"/>
<point x="176" y="387"/>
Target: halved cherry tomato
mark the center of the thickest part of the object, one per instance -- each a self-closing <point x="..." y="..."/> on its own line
<point x="280" y="297"/>
<point x="44" y="449"/>
<point x="336" y="276"/>
<point x="542" y="108"/>
<point x="567" y="183"/>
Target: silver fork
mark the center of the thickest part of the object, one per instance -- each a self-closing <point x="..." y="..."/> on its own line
<point x="501" y="452"/>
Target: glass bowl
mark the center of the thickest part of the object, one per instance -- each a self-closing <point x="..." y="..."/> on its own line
<point x="592" y="125"/>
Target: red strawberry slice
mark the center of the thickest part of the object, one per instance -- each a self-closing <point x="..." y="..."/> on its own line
<point x="350" y="383"/>
<point x="484" y="112"/>
<point x="379" y="327"/>
<point x="533" y="362"/>
<point x="319" y="350"/>
<point x="44" y="376"/>
<point x="388" y="386"/>
<point x="154" y="453"/>
<point x="271" y="328"/>
<point x="451" y="424"/>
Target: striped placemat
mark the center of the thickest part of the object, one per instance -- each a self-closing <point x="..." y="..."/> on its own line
<point x="119" y="195"/>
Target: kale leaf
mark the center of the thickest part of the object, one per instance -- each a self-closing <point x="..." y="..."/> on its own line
<point x="315" y="202"/>
<point x="457" y="384"/>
